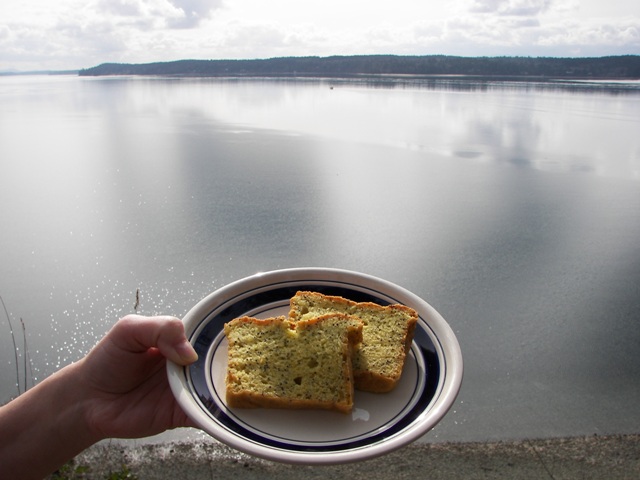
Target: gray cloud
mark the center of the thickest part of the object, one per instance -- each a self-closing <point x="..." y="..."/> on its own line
<point x="120" y="7"/>
<point x="511" y="7"/>
<point x="165" y="13"/>
<point x="194" y="12"/>
<point x="485" y="6"/>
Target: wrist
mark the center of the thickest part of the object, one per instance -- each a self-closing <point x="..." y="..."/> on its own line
<point x="51" y="414"/>
<point x="75" y="408"/>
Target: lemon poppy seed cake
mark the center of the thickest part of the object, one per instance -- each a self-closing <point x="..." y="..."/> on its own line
<point x="275" y="363"/>
<point x="386" y="336"/>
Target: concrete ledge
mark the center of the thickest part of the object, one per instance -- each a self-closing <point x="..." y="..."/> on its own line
<point x="594" y="457"/>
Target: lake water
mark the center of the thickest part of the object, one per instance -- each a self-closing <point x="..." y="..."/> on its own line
<point x="513" y="208"/>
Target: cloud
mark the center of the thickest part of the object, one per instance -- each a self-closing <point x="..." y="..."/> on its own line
<point x="261" y="40"/>
<point x="467" y="35"/>
<point x="581" y="35"/>
<point x="510" y="7"/>
<point x="193" y="12"/>
<point x="515" y="35"/>
<point x="120" y="7"/>
<point x="159" y="13"/>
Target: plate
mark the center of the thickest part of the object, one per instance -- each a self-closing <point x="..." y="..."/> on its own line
<point x="379" y="423"/>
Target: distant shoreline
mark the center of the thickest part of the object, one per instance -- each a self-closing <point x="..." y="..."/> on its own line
<point x="614" y="67"/>
<point x="427" y="67"/>
<point x="39" y="72"/>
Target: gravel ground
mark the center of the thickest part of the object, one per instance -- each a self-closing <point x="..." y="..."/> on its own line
<point x="594" y="457"/>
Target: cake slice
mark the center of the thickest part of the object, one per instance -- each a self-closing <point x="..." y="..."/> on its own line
<point x="275" y="363"/>
<point x="387" y="334"/>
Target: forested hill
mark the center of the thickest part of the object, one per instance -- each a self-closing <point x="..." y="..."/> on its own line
<point x="626" y="66"/>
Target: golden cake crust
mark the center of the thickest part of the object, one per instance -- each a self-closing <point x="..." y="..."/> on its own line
<point x="387" y="335"/>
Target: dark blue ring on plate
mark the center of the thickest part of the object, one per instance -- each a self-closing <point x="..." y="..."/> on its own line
<point x="213" y="326"/>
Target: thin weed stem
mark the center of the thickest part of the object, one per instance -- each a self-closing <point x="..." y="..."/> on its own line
<point x="15" y="347"/>
<point x="26" y="358"/>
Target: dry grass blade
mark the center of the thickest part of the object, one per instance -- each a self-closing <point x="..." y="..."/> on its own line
<point x="15" y="347"/>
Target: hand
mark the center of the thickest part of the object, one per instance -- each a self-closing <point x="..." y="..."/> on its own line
<point x="127" y="391"/>
<point x="120" y="389"/>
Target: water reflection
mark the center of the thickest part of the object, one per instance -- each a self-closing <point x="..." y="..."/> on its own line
<point x="466" y="83"/>
<point x="547" y="129"/>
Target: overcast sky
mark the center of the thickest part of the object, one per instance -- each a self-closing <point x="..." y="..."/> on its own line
<point x="71" y="34"/>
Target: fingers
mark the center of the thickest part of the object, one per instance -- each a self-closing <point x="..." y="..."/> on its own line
<point x="137" y="334"/>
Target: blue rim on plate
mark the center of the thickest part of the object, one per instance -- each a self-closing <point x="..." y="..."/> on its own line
<point x="379" y="423"/>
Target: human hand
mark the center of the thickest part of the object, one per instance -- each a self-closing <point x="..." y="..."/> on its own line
<point x="126" y="390"/>
<point x="120" y="389"/>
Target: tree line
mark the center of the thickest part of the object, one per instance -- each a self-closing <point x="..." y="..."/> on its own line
<point x="624" y="66"/>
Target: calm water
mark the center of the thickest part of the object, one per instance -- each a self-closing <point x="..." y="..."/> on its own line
<point x="513" y="208"/>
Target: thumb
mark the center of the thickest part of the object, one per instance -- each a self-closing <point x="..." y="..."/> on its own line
<point x="137" y="334"/>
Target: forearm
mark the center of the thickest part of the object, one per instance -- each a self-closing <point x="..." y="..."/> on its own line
<point x="44" y="427"/>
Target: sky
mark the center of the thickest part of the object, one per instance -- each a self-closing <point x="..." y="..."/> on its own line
<point x="74" y="34"/>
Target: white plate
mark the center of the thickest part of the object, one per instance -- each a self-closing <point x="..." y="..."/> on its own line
<point x="378" y="424"/>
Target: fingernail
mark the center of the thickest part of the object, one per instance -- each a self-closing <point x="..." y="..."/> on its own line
<point x="186" y="352"/>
